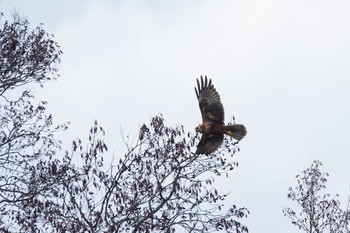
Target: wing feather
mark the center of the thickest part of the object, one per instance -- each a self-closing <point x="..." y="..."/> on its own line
<point x="209" y="102"/>
<point x="209" y="143"/>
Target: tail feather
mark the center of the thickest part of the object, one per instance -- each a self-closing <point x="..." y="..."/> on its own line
<point x="236" y="131"/>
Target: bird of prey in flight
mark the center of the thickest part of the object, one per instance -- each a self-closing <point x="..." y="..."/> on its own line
<point x="213" y="127"/>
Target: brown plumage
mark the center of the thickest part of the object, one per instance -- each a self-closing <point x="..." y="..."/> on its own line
<point x="213" y="127"/>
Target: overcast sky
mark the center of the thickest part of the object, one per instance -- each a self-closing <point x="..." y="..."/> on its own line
<point x="282" y="68"/>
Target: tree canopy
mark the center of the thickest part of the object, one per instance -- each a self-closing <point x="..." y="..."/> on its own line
<point x="320" y="212"/>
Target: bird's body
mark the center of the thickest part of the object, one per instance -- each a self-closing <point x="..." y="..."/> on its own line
<point x="213" y="127"/>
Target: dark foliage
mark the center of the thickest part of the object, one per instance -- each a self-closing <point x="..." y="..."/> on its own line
<point x="158" y="186"/>
<point x="26" y="55"/>
<point x="319" y="212"/>
<point x="27" y="143"/>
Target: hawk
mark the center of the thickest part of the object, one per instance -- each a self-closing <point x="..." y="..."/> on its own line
<point x="213" y="127"/>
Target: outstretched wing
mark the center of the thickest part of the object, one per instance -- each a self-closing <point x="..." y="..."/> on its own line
<point x="209" y="143"/>
<point x="209" y="102"/>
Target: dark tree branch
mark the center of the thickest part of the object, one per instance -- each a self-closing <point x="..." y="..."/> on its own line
<point x="319" y="213"/>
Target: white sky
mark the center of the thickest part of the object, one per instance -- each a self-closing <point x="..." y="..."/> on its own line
<point x="281" y="68"/>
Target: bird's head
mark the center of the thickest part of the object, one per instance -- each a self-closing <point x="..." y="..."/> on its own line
<point x="199" y="129"/>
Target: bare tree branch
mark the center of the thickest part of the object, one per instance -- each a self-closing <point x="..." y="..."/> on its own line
<point x="319" y="213"/>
